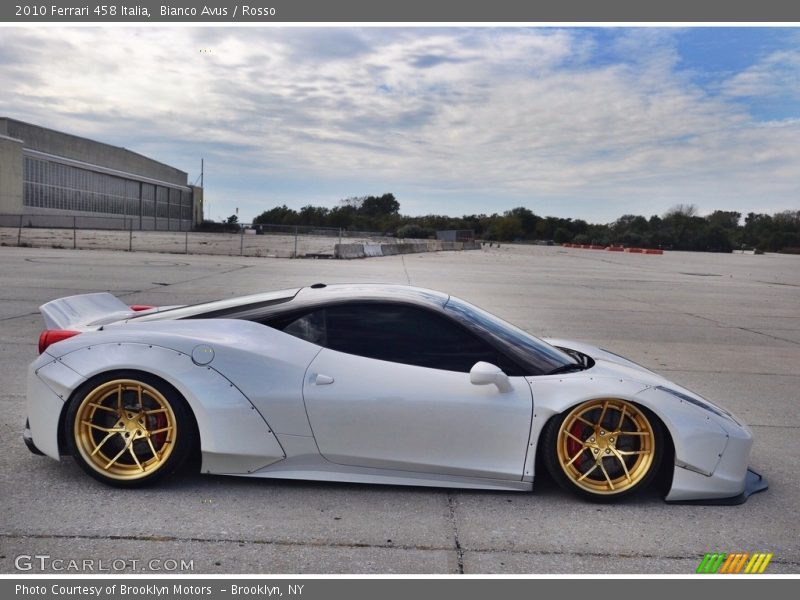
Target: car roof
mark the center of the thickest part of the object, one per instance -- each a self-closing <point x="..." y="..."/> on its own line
<point x="323" y="293"/>
<point x="182" y="312"/>
<point x="298" y="298"/>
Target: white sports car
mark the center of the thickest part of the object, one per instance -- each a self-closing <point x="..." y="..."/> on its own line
<point x="366" y="383"/>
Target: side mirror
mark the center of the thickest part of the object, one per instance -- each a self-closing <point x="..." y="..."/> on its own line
<point x="483" y="373"/>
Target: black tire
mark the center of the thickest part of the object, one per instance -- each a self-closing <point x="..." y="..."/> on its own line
<point x="122" y="442"/>
<point x="590" y="454"/>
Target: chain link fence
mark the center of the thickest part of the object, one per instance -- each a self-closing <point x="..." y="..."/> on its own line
<point x="122" y="233"/>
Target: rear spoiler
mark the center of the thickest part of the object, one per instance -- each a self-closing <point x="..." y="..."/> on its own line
<point x="84" y="310"/>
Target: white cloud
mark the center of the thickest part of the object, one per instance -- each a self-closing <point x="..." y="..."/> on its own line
<point x="510" y="115"/>
<point x="777" y="74"/>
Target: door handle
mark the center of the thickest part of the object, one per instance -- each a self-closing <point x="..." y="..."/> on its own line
<point x="321" y="379"/>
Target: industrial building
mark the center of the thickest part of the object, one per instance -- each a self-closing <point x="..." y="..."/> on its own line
<point x="55" y="179"/>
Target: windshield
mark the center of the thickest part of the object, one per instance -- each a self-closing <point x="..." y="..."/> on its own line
<point x="538" y="355"/>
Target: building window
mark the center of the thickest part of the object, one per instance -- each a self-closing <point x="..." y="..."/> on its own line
<point x="54" y="185"/>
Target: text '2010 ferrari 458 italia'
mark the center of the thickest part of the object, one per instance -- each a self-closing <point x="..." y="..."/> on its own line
<point x="366" y="383"/>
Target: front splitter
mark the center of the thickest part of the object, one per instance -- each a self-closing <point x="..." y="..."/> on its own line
<point x="753" y="483"/>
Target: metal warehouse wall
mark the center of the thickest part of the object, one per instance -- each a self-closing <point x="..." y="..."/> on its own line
<point x="89" y="151"/>
<point x="45" y="172"/>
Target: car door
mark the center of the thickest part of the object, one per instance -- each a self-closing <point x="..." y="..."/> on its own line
<point x="391" y="389"/>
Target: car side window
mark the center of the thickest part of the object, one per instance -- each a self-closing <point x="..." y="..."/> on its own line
<point x="404" y="334"/>
<point x="310" y="327"/>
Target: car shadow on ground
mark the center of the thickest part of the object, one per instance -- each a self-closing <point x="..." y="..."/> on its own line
<point x="189" y="481"/>
<point x="545" y="488"/>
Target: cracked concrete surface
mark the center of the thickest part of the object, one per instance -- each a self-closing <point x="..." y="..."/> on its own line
<point x="733" y="337"/>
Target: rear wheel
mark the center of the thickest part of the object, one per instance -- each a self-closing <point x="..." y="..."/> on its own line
<point x="128" y="429"/>
<point x="605" y="449"/>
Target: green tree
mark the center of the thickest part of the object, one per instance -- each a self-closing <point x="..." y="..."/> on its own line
<point x="414" y="231"/>
<point x="562" y="235"/>
<point x="505" y="229"/>
<point x="280" y="215"/>
<point x="727" y="219"/>
<point x="313" y="215"/>
<point x="717" y="239"/>
<point x="680" y="228"/>
<point x="378" y="206"/>
<point x="527" y="220"/>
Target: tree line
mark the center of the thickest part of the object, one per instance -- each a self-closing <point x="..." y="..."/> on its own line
<point x="680" y="228"/>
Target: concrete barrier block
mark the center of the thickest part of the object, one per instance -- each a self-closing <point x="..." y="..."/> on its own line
<point x="348" y="251"/>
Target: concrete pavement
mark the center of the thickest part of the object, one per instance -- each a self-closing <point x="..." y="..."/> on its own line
<point x="727" y="326"/>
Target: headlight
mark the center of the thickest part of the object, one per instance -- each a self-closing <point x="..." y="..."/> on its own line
<point x="704" y="404"/>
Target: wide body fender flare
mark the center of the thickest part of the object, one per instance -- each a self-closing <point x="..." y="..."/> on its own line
<point x="234" y="437"/>
<point x="698" y="440"/>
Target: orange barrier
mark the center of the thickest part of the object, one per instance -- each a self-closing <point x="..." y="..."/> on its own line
<point x="615" y="248"/>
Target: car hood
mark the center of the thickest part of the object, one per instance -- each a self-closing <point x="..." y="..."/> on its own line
<point x="613" y="365"/>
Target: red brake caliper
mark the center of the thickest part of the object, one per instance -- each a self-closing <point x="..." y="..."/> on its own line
<point x="573" y="447"/>
<point x="158" y="439"/>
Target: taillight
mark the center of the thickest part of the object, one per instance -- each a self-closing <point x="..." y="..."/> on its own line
<point x="140" y="307"/>
<point x="51" y="336"/>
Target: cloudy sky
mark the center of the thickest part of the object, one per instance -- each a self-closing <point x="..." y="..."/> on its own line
<point x="582" y="123"/>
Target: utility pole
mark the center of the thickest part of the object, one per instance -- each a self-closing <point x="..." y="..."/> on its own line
<point x="202" y="168"/>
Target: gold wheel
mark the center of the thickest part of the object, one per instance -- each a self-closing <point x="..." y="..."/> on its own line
<point x="607" y="447"/>
<point x="125" y="430"/>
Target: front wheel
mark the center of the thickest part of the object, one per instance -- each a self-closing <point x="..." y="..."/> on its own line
<point x="604" y="450"/>
<point x="128" y="429"/>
